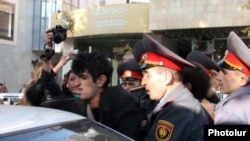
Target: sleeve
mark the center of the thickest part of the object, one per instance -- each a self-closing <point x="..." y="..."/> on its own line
<point x="130" y="115"/>
<point x="50" y="85"/>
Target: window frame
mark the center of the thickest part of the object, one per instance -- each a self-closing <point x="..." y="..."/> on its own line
<point x="13" y="41"/>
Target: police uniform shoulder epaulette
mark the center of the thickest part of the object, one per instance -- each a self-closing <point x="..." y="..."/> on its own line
<point x="136" y="88"/>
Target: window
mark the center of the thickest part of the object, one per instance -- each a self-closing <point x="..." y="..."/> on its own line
<point x="7" y="11"/>
<point x="69" y="5"/>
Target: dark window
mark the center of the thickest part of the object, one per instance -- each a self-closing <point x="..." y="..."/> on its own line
<point x="7" y="20"/>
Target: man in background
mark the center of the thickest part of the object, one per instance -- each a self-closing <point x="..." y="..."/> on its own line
<point x="234" y="79"/>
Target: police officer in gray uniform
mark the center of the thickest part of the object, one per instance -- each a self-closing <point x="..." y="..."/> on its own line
<point x="177" y="116"/>
<point x="234" y="81"/>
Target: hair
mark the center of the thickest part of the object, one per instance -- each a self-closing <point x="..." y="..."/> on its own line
<point x="65" y="81"/>
<point x="31" y="85"/>
<point x="37" y="69"/>
<point x="35" y="94"/>
<point x="95" y="63"/>
<point x="3" y="89"/>
<point x="199" y="80"/>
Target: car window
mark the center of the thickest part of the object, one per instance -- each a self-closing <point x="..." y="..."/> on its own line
<point x="82" y="130"/>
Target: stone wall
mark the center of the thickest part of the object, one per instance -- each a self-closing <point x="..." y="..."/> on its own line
<point x="185" y="14"/>
<point x="15" y="64"/>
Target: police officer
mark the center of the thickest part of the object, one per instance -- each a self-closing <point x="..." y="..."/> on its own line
<point x="234" y="81"/>
<point x="212" y="70"/>
<point x="131" y="74"/>
<point x="177" y="116"/>
<point x="203" y="82"/>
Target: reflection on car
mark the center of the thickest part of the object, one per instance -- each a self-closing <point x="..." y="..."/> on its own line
<point x="28" y="123"/>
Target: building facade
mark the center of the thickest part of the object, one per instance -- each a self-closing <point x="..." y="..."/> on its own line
<point x="15" y="42"/>
<point x="112" y="27"/>
<point x="207" y="23"/>
<point x="22" y="25"/>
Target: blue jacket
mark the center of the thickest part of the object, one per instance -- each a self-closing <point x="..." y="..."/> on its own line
<point x="178" y="117"/>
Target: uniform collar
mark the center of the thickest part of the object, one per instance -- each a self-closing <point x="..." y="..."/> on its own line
<point x="170" y="97"/>
<point x="240" y="91"/>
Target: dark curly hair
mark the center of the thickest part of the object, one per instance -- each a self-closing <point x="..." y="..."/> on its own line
<point x="95" y="63"/>
<point x="35" y="94"/>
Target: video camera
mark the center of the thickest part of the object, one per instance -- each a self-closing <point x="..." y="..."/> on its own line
<point x="48" y="54"/>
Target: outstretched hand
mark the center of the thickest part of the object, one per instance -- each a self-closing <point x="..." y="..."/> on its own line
<point x="63" y="60"/>
<point x="66" y="57"/>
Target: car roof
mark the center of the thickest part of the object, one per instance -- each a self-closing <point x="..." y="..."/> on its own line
<point x="6" y="95"/>
<point x="16" y="117"/>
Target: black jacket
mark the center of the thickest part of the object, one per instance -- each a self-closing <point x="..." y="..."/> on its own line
<point x="120" y="111"/>
<point x="140" y="94"/>
<point x="117" y="109"/>
<point x="179" y="115"/>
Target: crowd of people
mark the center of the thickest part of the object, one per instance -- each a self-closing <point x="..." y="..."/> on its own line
<point x="162" y="96"/>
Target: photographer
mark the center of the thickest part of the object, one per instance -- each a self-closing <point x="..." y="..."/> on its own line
<point x="111" y="106"/>
<point x="65" y="96"/>
<point x="40" y="89"/>
<point x="55" y="35"/>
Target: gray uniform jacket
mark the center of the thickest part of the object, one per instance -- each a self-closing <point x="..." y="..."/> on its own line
<point x="235" y="108"/>
<point x="178" y="117"/>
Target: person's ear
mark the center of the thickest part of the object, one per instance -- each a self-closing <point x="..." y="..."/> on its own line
<point x="244" y="80"/>
<point x="101" y="80"/>
<point x="168" y="77"/>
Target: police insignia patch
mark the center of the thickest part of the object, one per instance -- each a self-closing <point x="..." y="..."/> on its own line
<point x="164" y="130"/>
<point x="128" y="73"/>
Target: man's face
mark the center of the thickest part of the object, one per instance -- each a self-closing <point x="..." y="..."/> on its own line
<point x="127" y="85"/>
<point x="85" y="86"/>
<point x="229" y="80"/>
<point x="154" y="82"/>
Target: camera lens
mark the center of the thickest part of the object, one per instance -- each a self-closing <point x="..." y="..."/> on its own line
<point x="60" y="34"/>
<point x="58" y="37"/>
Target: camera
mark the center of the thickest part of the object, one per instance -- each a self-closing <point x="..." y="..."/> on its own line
<point x="47" y="55"/>
<point x="60" y="34"/>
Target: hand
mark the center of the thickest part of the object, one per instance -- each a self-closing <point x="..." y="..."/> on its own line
<point x="48" y="36"/>
<point x="66" y="57"/>
<point x="63" y="60"/>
